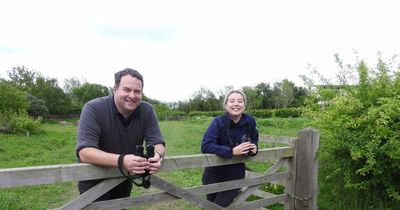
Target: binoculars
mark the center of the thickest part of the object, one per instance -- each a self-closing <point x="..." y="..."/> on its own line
<point x="149" y="154"/>
<point x="247" y="139"/>
<point x="149" y="151"/>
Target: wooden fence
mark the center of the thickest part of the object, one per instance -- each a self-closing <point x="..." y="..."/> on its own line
<point x="295" y="167"/>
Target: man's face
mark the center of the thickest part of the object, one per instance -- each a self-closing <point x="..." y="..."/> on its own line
<point x="128" y="95"/>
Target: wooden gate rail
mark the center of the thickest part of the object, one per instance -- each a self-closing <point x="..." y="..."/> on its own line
<point x="300" y="176"/>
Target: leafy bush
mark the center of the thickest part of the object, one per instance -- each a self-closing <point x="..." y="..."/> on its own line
<point x="208" y="114"/>
<point x="360" y="141"/>
<point x="287" y="112"/>
<point x="171" y="115"/>
<point x="21" y="122"/>
<point x="11" y="98"/>
<point x="261" y="113"/>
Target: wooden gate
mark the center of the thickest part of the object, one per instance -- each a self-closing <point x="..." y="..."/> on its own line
<point x="295" y="165"/>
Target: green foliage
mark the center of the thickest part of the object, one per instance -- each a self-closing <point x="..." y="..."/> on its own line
<point x="18" y="122"/>
<point x="37" y="107"/>
<point x="261" y="113"/>
<point x="279" y="113"/>
<point x="208" y="114"/>
<point x="360" y="139"/>
<point x="89" y="91"/>
<point x="171" y="115"/>
<point x="14" y="117"/>
<point x="11" y="98"/>
<point x="48" y="90"/>
<point x="23" y="78"/>
<point x="288" y="112"/>
<point x="76" y="106"/>
<point x="281" y="95"/>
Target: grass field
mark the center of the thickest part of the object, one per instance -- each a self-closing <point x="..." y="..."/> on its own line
<point x="56" y="145"/>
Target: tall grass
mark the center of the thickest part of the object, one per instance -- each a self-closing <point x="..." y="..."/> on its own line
<point x="56" y="145"/>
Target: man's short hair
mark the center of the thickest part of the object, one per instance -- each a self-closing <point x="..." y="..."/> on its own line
<point x="127" y="71"/>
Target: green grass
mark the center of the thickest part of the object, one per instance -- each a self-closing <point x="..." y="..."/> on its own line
<point x="56" y="145"/>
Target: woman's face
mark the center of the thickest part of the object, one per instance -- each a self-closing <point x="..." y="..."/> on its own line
<point x="235" y="105"/>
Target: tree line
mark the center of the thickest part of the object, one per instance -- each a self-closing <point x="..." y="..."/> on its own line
<point x="45" y="96"/>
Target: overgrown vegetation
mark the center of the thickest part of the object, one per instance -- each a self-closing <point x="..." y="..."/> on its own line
<point x="360" y="139"/>
<point x="14" y="116"/>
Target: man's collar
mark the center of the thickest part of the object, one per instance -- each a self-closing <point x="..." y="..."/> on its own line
<point x="134" y="114"/>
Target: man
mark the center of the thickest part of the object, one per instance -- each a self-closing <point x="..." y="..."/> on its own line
<point x="111" y="127"/>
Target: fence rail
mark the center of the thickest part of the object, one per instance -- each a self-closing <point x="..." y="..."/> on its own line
<point x="300" y="178"/>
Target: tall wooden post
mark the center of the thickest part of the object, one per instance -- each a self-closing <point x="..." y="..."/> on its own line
<point x="302" y="186"/>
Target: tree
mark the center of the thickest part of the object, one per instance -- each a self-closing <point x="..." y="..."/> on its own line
<point x="89" y="91"/>
<point x="71" y="83"/>
<point x="204" y="100"/>
<point x="56" y="100"/>
<point x="251" y="97"/>
<point x="37" y="107"/>
<point x="287" y="92"/>
<point x="23" y="78"/>
<point x="300" y="95"/>
<point x="264" y="92"/>
<point x="11" y="98"/>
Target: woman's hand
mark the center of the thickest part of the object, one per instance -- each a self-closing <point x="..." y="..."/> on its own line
<point x="244" y="148"/>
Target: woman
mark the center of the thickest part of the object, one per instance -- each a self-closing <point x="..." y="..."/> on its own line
<point x="232" y="134"/>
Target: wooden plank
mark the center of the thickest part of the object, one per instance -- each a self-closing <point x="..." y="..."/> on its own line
<point x="37" y="175"/>
<point x="259" y="203"/>
<point x="185" y="194"/>
<point x="250" y="190"/>
<point x="263" y="194"/>
<point x="201" y="190"/>
<point x="92" y="194"/>
<point x="276" y="139"/>
<point x="206" y="160"/>
<point x="303" y="192"/>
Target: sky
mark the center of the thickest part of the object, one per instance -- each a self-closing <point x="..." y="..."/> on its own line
<point x="182" y="46"/>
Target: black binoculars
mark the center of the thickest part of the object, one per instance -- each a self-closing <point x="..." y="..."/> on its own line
<point x="247" y="139"/>
<point x="149" y="151"/>
<point x="149" y="154"/>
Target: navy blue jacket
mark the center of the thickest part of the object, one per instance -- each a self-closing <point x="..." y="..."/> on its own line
<point x="216" y="141"/>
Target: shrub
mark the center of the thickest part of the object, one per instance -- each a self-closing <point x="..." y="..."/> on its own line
<point x="171" y="115"/>
<point x="360" y="141"/>
<point x="288" y="112"/>
<point x="261" y="113"/>
<point x="11" y="98"/>
<point x="21" y="122"/>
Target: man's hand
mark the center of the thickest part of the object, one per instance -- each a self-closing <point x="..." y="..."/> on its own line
<point x="155" y="163"/>
<point x="136" y="164"/>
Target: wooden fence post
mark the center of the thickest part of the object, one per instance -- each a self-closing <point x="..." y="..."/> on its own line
<point x="302" y="186"/>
